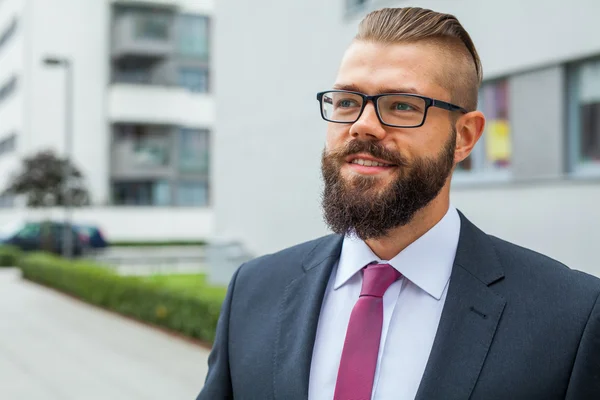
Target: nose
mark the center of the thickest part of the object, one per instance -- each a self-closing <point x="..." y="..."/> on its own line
<point x="368" y="126"/>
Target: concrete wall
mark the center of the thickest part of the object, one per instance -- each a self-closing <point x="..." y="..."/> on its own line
<point x="267" y="147"/>
<point x="559" y="219"/>
<point x="129" y="223"/>
<point x="78" y="30"/>
<point x="160" y="105"/>
<point x="272" y="71"/>
<point x="537" y="114"/>
<point x="12" y="112"/>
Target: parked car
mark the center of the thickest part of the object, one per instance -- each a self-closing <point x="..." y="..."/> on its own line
<point x="42" y="236"/>
<point x="92" y="236"/>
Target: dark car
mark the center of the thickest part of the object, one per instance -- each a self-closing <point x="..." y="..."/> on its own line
<point x="44" y="236"/>
<point x="92" y="236"/>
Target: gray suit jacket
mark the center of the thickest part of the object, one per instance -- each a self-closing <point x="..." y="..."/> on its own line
<point x="515" y="325"/>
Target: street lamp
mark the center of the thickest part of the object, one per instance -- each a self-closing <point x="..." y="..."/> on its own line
<point x="65" y="63"/>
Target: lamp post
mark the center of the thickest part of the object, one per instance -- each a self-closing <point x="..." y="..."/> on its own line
<point x="65" y="63"/>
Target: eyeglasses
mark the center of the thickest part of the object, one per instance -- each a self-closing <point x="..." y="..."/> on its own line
<point x="399" y="110"/>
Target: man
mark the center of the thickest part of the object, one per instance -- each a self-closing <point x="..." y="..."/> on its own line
<point x="408" y="299"/>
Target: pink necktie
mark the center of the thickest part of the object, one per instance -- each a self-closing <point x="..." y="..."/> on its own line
<point x="359" y="356"/>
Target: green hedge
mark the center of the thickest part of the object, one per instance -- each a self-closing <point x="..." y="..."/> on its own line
<point x="192" y="313"/>
<point x="9" y="256"/>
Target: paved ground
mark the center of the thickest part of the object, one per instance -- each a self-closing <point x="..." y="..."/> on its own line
<point x="56" y="348"/>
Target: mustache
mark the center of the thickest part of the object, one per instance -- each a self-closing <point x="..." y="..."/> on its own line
<point x="369" y="147"/>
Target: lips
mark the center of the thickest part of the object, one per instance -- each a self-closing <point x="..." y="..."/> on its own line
<point x="368" y="161"/>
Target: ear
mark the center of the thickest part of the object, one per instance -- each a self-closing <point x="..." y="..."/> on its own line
<point x="469" y="128"/>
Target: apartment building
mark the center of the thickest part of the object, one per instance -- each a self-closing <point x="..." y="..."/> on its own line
<point x="534" y="178"/>
<point x="160" y="106"/>
<point x="142" y="113"/>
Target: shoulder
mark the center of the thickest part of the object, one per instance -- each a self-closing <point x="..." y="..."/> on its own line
<point x="524" y="266"/>
<point x="291" y="259"/>
<point x="297" y="252"/>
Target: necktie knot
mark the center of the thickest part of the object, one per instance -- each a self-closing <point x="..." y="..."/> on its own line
<point x="377" y="278"/>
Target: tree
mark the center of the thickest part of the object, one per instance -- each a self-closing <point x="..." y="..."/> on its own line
<point x="42" y="181"/>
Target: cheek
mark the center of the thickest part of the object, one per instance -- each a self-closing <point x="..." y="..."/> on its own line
<point x="337" y="135"/>
<point x="428" y="142"/>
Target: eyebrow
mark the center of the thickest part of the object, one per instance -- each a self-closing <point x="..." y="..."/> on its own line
<point x="379" y="90"/>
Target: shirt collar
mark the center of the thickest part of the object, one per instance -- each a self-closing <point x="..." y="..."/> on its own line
<point x="427" y="262"/>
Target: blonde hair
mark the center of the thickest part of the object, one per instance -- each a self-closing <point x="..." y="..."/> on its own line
<point x="413" y="24"/>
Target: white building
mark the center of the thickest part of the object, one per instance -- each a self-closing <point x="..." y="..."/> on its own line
<point x="143" y="109"/>
<point x="534" y="179"/>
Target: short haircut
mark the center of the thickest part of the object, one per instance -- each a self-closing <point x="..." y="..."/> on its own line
<point x="413" y="24"/>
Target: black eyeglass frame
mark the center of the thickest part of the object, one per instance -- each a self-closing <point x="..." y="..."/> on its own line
<point x="429" y="102"/>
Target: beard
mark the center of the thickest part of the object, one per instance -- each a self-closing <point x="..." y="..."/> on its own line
<point x="359" y="206"/>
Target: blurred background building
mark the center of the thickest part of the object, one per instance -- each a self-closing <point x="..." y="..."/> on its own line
<point x="189" y="128"/>
<point x="142" y="108"/>
<point x="533" y="179"/>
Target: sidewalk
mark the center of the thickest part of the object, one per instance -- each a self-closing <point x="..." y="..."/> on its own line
<point x="55" y="348"/>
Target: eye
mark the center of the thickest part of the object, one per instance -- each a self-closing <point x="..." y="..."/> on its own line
<point x="402" y="107"/>
<point x="345" y="103"/>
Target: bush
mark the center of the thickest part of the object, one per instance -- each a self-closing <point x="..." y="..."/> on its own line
<point x="9" y="256"/>
<point x="192" y="313"/>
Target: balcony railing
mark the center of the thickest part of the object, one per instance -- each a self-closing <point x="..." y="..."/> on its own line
<point x="142" y="34"/>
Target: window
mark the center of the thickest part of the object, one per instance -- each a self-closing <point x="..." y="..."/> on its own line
<point x="584" y="116"/>
<point x="8" y="32"/>
<point x="151" y="25"/>
<point x="29" y="231"/>
<point x="141" y="193"/>
<point x="189" y="193"/>
<point x="194" y="79"/>
<point x="193" y="36"/>
<point x="148" y="147"/>
<point x="134" y="75"/>
<point x="494" y="150"/>
<point x="193" y="150"/>
<point x="192" y="194"/>
<point x="8" y="88"/>
<point x="132" y="71"/>
<point x="8" y="144"/>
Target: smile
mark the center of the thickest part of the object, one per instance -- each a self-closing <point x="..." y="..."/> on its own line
<point x="369" y="163"/>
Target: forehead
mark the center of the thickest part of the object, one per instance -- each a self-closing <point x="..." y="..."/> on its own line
<point x="410" y="67"/>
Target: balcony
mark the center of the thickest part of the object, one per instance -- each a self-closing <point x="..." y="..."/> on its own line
<point x="143" y="72"/>
<point x="143" y="35"/>
<point x="175" y="106"/>
<point x="141" y="151"/>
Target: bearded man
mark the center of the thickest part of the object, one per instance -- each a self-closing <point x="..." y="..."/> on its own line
<point x="408" y="299"/>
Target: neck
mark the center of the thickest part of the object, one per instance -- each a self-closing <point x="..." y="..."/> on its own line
<point x="398" y="239"/>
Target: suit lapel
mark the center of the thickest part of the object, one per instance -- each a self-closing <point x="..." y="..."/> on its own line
<point x="298" y="318"/>
<point x="469" y="320"/>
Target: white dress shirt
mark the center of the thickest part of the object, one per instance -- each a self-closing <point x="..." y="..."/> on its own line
<point x="412" y="307"/>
